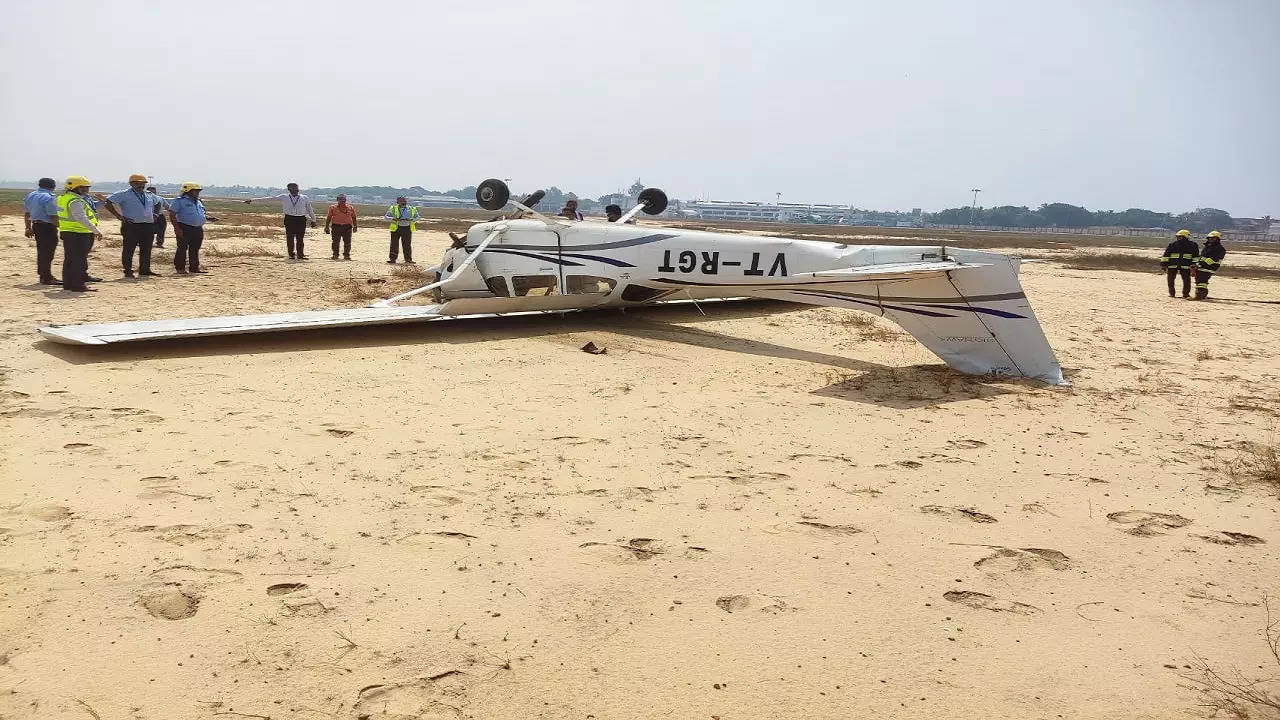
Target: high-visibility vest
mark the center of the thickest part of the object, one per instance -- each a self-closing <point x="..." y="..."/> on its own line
<point x="394" y="211"/>
<point x="65" y="223"/>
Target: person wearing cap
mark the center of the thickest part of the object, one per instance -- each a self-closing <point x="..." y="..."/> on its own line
<point x="159" y="224"/>
<point x="612" y="213"/>
<point x="40" y="216"/>
<point x="297" y="211"/>
<point x="402" y="217"/>
<point x="1210" y="262"/>
<point x="77" y="226"/>
<point x="570" y="210"/>
<point x="186" y="212"/>
<point x="137" y="216"/>
<point x="1178" y="259"/>
<point x="339" y="223"/>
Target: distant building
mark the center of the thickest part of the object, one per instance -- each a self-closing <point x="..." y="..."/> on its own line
<point x="440" y="201"/>
<point x="770" y="212"/>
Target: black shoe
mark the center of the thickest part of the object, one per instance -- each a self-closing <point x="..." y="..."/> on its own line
<point x="150" y="273"/>
<point x="335" y="256"/>
<point x="391" y="262"/>
<point x="51" y="280"/>
<point x="303" y="257"/>
<point x="128" y="273"/>
<point x="180" y="271"/>
<point x="291" y="256"/>
<point x="90" y="278"/>
<point x="199" y="271"/>
<point x="344" y="257"/>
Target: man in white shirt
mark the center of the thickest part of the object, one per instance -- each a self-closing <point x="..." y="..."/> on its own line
<point x="297" y="211"/>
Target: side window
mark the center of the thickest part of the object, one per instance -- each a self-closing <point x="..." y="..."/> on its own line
<point x="498" y="286"/>
<point x="588" y="285"/>
<point x="533" y="285"/>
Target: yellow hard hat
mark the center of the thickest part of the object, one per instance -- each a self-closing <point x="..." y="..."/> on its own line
<point x="137" y="177"/>
<point x="76" y="181"/>
<point x="1214" y="234"/>
<point x="187" y="187"/>
<point x="1184" y="233"/>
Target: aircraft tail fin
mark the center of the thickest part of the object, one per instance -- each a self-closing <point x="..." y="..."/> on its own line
<point x="974" y="316"/>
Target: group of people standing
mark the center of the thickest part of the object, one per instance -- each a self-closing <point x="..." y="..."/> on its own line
<point x="72" y="217"/>
<point x="340" y="223"/>
<point x="1183" y="256"/>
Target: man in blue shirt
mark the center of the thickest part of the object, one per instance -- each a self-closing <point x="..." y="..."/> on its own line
<point x="40" y="214"/>
<point x="186" y="212"/>
<point x="160" y="223"/>
<point x="137" y="223"/>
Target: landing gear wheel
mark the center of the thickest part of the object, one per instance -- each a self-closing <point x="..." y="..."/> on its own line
<point x="492" y="194"/>
<point x="655" y="201"/>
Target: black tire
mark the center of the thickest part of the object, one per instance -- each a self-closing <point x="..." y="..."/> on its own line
<point x="655" y="201"/>
<point x="493" y="194"/>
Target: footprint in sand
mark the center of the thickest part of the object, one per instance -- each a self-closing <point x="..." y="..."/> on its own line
<point x="827" y="529"/>
<point x="285" y="588"/>
<point x="1226" y="537"/>
<point x="760" y="603"/>
<point x="170" y="603"/>
<point x="434" y="697"/>
<point x="959" y="513"/>
<point x="1144" y="523"/>
<point x="982" y="601"/>
<point x="633" y="550"/>
<point x="50" y="513"/>
<point x="1006" y="559"/>
<point x="745" y="478"/>
<point x="965" y="444"/>
<point x="191" y="575"/>
<point x="188" y="534"/>
<point x="433" y="497"/>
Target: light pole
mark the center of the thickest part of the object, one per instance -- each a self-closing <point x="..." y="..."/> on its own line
<point x="974" y="207"/>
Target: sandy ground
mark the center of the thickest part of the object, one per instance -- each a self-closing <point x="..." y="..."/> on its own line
<point x="766" y="512"/>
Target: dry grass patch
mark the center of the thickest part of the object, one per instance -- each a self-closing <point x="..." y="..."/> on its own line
<point x="364" y="290"/>
<point x="1231" y="692"/>
<point x="868" y="328"/>
<point x="241" y="252"/>
<point x="1127" y="262"/>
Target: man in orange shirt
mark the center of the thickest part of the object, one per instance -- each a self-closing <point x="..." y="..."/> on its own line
<point x="340" y="222"/>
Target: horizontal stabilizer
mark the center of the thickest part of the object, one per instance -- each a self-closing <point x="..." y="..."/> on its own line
<point x="890" y="270"/>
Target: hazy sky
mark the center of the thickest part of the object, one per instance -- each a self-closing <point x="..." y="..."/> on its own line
<point x="1165" y="104"/>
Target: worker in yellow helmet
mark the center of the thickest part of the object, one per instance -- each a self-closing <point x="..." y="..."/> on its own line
<point x="1178" y="259"/>
<point x="78" y="227"/>
<point x="187" y="214"/>
<point x="1209" y="263"/>
<point x="135" y="208"/>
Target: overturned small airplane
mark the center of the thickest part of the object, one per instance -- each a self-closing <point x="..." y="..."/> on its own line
<point x="966" y="306"/>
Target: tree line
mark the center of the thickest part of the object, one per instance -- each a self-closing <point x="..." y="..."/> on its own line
<point x="1074" y="216"/>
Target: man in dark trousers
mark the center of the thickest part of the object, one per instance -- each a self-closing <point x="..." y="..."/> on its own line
<point x="186" y="212"/>
<point x="1209" y="263"/>
<point x="135" y="208"/>
<point x="1178" y="259"/>
<point x="40" y="215"/>
<point x="402" y="216"/>
<point x="297" y="211"/>
<point x="339" y="223"/>
<point x="160" y="223"/>
<point x="77" y="227"/>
